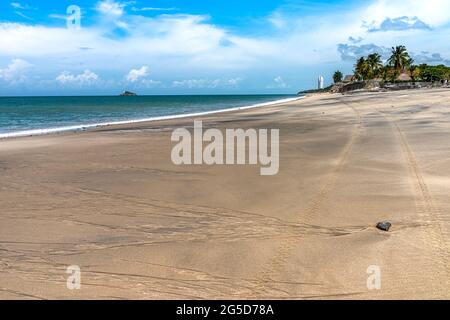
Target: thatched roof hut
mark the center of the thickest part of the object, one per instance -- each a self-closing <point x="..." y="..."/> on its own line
<point x="349" y="78"/>
<point x="404" y="77"/>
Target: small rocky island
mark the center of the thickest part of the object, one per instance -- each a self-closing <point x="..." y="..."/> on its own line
<point x="128" y="94"/>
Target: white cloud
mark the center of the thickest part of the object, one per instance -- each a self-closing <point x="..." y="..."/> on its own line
<point x="15" y="71"/>
<point x="136" y="74"/>
<point x="152" y="9"/>
<point x="431" y="12"/>
<point x="278" y="83"/>
<point x="111" y="8"/>
<point x="278" y="20"/>
<point x="58" y="16"/>
<point x="17" y="5"/>
<point x="234" y="81"/>
<point x="122" y="25"/>
<point x="196" y="83"/>
<point x="23" y="15"/>
<point x="398" y="24"/>
<point x="86" y="78"/>
<point x="206" y="83"/>
<point x="149" y="83"/>
<point x="351" y="52"/>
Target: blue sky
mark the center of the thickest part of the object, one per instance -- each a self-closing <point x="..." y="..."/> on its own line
<point x="199" y="46"/>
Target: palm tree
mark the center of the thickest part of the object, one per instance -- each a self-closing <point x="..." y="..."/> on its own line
<point x="384" y="73"/>
<point x="374" y="64"/>
<point x="337" y="77"/>
<point x="412" y="69"/>
<point x="399" y="58"/>
<point x="362" y="69"/>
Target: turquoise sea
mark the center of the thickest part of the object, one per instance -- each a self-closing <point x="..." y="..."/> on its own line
<point x="21" y="116"/>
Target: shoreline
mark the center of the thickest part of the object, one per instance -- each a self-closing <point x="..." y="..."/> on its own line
<point x="86" y="127"/>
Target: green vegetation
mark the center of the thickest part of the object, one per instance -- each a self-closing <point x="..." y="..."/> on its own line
<point x="374" y="65"/>
<point x="399" y="67"/>
<point x="400" y="58"/>
<point x="369" y="68"/>
<point x="361" y="69"/>
<point x="432" y="73"/>
<point x="338" y="76"/>
<point x="399" y="63"/>
<point x="326" y="89"/>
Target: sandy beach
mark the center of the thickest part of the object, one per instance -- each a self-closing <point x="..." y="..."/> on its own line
<point x="110" y="201"/>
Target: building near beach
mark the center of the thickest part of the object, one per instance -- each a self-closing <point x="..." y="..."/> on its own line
<point x="349" y="78"/>
<point x="320" y="83"/>
<point x="404" y="77"/>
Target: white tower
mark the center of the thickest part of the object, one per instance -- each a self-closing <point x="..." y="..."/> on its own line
<point x="320" y="83"/>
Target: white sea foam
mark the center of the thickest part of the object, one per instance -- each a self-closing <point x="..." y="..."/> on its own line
<point x="36" y="132"/>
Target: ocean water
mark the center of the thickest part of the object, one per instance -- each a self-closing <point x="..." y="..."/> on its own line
<point x="21" y="116"/>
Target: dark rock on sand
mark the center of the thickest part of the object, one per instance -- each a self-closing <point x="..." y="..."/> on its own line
<point x="384" y="226"/>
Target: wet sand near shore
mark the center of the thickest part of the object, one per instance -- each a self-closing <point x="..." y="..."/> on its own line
<point x="111" y="202"/>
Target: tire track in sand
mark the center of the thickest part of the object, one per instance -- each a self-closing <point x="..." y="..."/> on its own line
<point x="276" y="263"/>
<point x="425" y="206"/>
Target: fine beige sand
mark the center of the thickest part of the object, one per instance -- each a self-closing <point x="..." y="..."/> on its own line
<point x="111" y="201"/>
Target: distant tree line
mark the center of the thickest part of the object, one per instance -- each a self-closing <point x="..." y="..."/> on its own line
<point x="400" y="62"/>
